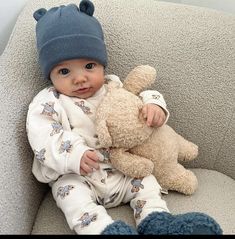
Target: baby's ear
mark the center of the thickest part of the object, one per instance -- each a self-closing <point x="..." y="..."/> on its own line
<point x="39" y="13"/>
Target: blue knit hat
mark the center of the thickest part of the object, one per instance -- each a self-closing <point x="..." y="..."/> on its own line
<point x="68" y="32"/>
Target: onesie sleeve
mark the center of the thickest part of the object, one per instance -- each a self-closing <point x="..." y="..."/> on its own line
<point x="154" y="97"/>
<point x="57" y="149"/>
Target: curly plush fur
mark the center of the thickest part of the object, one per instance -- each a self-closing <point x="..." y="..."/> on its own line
<point x="138" y="150"/>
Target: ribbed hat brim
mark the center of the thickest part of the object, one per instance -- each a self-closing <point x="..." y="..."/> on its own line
<point x="71" y="47"/>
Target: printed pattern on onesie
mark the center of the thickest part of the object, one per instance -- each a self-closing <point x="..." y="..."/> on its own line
<point x="136" y="187"/>
<point x="48" y="110"/>
<point x="86" y="219"/>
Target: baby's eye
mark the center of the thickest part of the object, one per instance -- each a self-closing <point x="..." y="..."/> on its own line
<point x="64" y="71"/>
<point x="90" y="66"/>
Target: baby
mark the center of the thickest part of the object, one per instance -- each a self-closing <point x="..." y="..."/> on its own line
<point x="61" y="132"/>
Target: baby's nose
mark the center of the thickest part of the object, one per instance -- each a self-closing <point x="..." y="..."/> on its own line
<point x="79" y="78"/>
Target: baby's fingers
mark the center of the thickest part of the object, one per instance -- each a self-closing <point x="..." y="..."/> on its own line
<point x="82" y="172"/>
<point x="92" y="164"/>
<point x="92" y="155"/>
<point x="144" y="111"/>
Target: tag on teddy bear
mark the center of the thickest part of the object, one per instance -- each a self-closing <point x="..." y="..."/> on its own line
<point x="164" y="191"/>
<point x="103" y="155"/>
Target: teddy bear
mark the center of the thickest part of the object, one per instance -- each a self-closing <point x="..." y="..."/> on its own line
<point x="136" y="149"/>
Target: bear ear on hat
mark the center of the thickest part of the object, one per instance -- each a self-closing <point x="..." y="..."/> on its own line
<point x="39" y="13"/>
<point x="87" y="7"/>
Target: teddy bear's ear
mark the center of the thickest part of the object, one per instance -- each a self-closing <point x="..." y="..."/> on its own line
<point x="140" y="77"/>
<point x="104" y="137"/>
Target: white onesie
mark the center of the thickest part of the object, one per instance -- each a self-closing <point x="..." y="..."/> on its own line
<point x="60" y="129"/>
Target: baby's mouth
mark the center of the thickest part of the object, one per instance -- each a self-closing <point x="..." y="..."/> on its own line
<point x="82" y="90"/>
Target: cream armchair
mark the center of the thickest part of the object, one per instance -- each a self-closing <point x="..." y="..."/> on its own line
<point x="193" y="50"/>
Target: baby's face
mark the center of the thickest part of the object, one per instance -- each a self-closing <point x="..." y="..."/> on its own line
<point x="80" y="78"/>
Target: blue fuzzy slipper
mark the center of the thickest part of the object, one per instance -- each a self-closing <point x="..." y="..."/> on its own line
<point x="119" y="228"/>
<point x="193" y="223"/>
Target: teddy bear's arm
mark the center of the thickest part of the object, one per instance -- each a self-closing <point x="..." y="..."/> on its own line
<point x="130" y="164"/>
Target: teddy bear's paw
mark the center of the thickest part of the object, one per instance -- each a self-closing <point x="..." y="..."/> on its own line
<point x="189" y="184"/>
<point x="188" y="153"/>
<point x="184" y="181"/>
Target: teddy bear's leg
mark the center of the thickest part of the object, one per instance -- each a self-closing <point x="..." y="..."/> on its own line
<point x="187" y="150"/>
<point x="177" y="178"/>
<point x="130" y="164"/>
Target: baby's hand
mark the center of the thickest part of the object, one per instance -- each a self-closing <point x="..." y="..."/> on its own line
<point x="89" y="162"/>
<point x="154" y="115"/>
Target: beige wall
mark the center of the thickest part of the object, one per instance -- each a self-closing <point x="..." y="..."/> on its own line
<point x="222" y="5"/>
<point x="10" y="9"/>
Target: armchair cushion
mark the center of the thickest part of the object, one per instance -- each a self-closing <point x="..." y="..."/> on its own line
<point x="215" y="188"/>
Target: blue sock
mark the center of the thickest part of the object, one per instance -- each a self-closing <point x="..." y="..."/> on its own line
<point x="193" y="223"/>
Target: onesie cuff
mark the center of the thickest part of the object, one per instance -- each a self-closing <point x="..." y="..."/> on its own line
<point x="74" y="159"/>
<point x="154" y="97"/>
